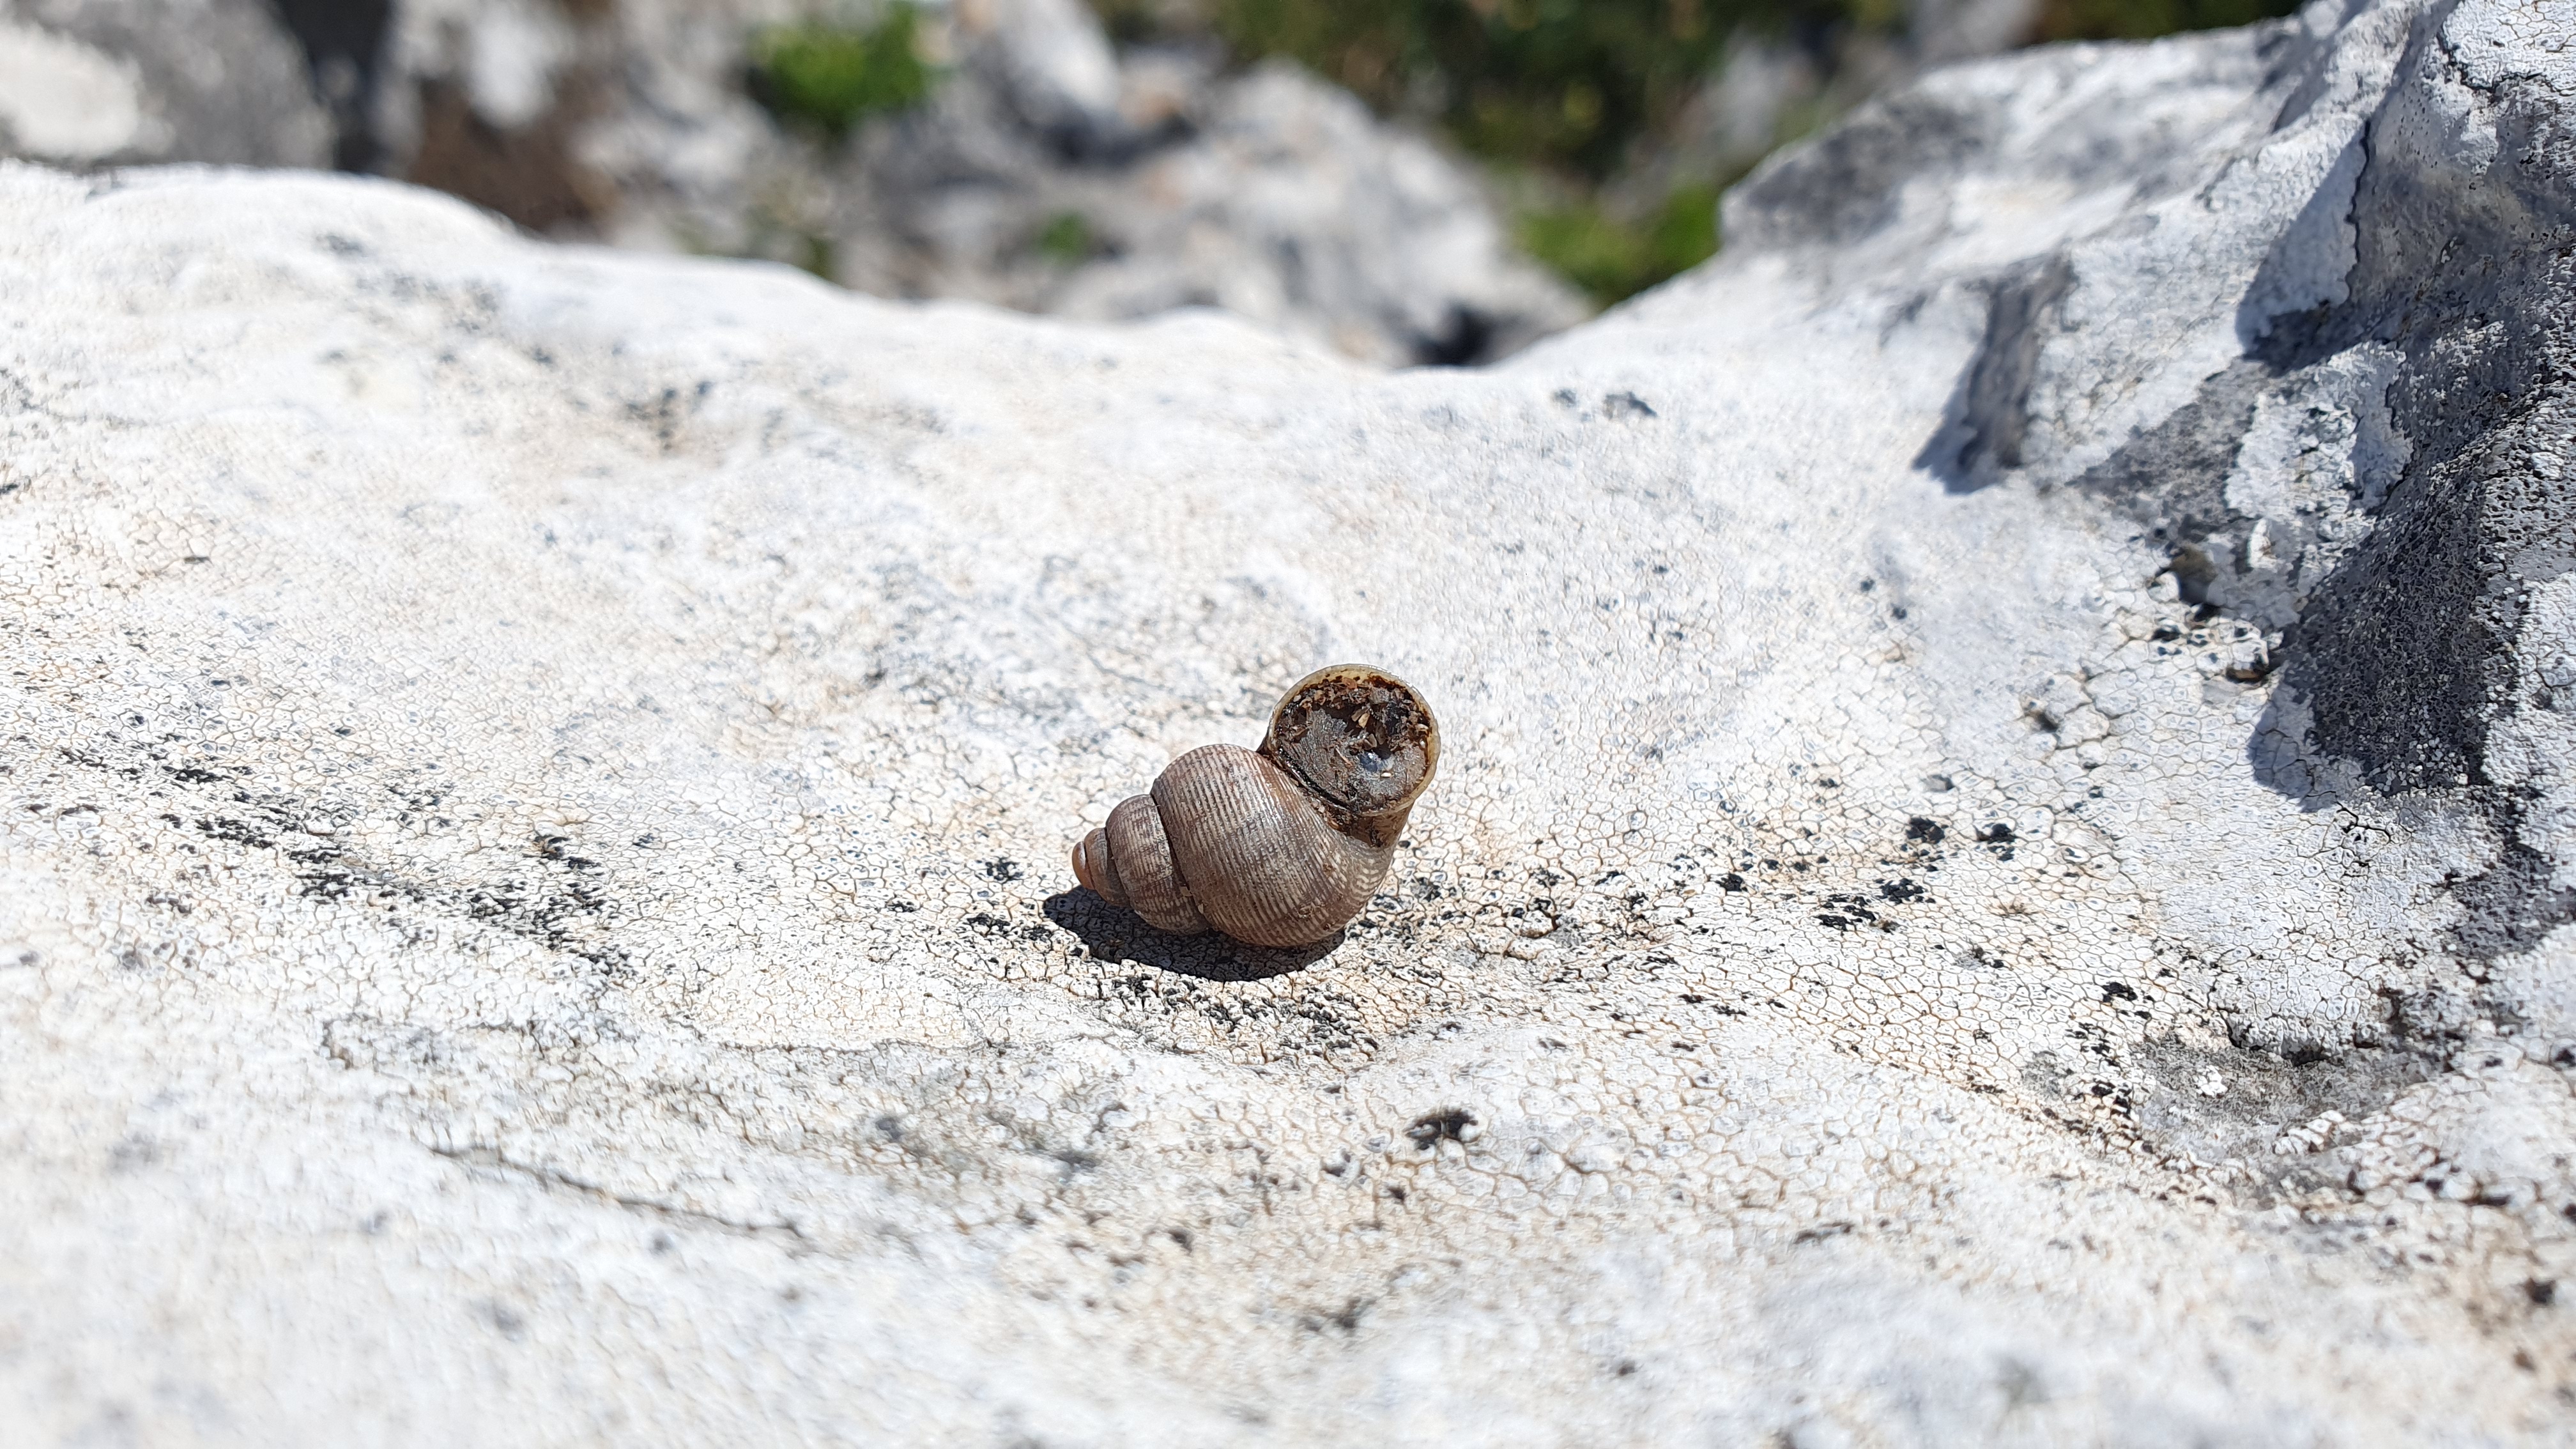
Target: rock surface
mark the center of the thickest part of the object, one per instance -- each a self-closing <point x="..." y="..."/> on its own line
<point x="2002" y="870"/>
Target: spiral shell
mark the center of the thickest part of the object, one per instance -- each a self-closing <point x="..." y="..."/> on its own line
<point x="1280" y="846"/>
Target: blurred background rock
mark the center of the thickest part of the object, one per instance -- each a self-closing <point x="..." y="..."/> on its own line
<point x="1407" y="181"/>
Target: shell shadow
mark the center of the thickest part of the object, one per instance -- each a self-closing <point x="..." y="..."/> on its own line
<point x="1114" y="933"/>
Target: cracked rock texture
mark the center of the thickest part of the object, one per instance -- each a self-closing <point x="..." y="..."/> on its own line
<point x="2002" y="869"/>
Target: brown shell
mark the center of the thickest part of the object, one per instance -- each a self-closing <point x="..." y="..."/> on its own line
<point x="1139" y="860"/>
<point x="1261" y="861"/>
<point x="1280" y="847"/>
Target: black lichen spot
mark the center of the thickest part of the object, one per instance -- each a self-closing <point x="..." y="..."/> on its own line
<point x="234" y="831"/>
<point x="1347" y="1318"/>
<point x="2118" y="991"/>
<point x="1449" y="1124"/>
<point x="324" y="883"/>
<point x="1004" y="870"/>
<point x="2253" y="673"/>
<point x="551" y="847"/>
<point x="1996" y="834"/>
<point x="1900" y="890"/>
<point x="1851" y="910"/>
<point x="1924" y="831"/>
<point x="1730" y="881"/>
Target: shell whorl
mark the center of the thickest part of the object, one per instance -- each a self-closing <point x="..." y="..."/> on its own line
<point x="1130" y="863"/>
<point x="1285" y="845"/>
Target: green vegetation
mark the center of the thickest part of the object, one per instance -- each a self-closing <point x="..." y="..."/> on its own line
<point x="831" y="77"/>
<point x="1564" y="93"/>
<point x="1561" y="96"/>
<point x="1562" y="85"/>
<point x="1067" y="239"/>
<point x="1611" y="257"/>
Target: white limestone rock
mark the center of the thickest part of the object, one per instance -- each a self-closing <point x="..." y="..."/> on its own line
<point x="532" y="902"/>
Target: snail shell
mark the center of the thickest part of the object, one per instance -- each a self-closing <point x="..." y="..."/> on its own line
<point x="1280" y="846"/>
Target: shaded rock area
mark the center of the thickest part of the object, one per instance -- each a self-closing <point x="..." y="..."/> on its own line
<point x="1045" y="172"/>
<point x="1271" y="195"/>
<point x="111" y="82"/>
<point x="2354" y="467"/>
<point x="1999" y="872"/>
